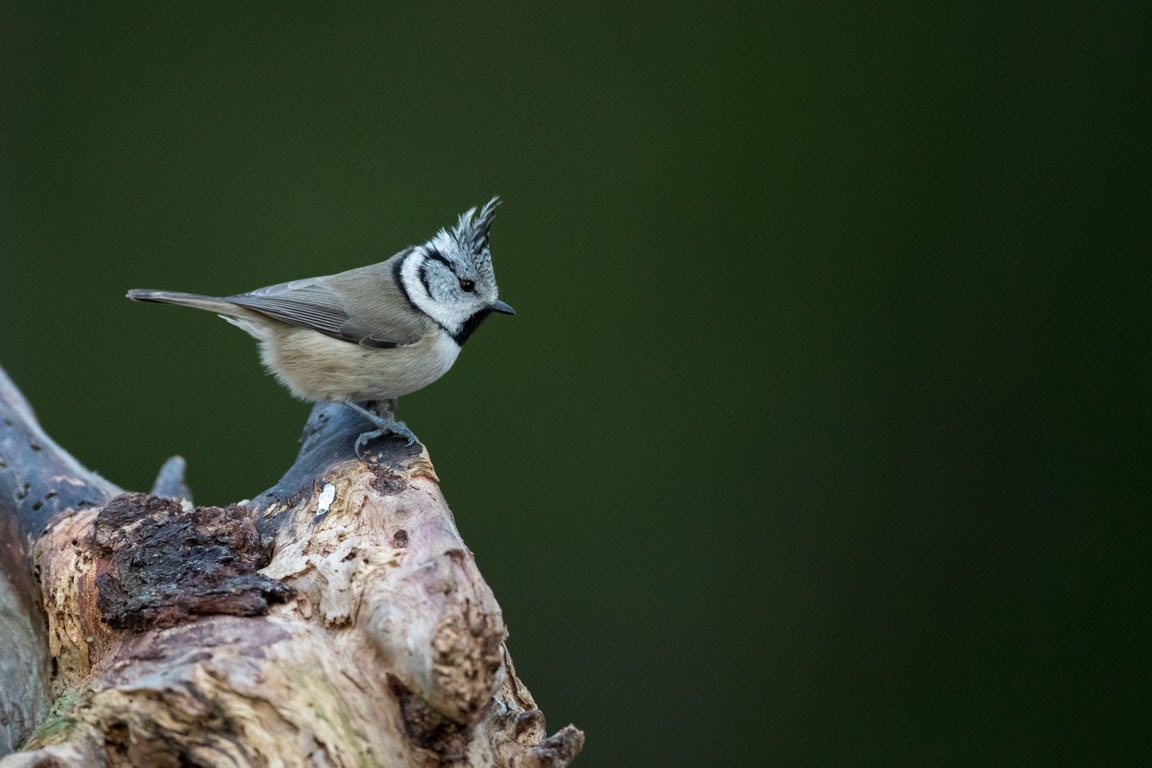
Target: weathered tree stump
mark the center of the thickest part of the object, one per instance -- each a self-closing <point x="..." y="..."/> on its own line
<point x="337" y="619"/>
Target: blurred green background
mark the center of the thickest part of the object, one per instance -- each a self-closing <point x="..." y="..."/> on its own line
<point x="821" y="435"/>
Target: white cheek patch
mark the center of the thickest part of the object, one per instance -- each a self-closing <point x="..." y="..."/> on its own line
<point x="451" y="317"/>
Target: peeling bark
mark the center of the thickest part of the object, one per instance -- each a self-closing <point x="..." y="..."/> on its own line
<point x="336" y="619"/>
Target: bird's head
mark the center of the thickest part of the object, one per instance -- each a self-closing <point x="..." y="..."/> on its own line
<point x="450" y="277"/>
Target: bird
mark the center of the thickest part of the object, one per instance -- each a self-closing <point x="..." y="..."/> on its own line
<point x="372" y="334"/>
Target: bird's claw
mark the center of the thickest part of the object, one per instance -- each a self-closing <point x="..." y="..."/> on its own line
<point x="394" y="429"/>
<point x="364" y="438"/>
<point x="384" y="426"/>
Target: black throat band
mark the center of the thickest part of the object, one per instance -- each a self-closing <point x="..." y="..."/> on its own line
<point x="470" y="325"/>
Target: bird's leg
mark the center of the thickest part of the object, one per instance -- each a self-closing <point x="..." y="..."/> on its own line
<point x="385" y="408"/>
<point x="385" y="425"/>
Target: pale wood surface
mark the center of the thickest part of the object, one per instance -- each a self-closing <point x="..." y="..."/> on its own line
<point x="337" y="619"/>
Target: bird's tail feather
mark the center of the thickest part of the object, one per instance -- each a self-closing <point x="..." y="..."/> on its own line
<point x="195" y="300"/>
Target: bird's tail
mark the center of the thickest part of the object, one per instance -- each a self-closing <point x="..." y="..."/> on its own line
<point x="194" y="300"/>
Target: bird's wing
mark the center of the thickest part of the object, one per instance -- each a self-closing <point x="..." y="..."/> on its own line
<point x="312" y="304"/>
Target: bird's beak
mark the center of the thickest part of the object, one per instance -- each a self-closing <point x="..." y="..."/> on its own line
<point x="501" y="307"/>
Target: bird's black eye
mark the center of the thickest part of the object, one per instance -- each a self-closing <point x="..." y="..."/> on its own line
<point x="467" y="286"/>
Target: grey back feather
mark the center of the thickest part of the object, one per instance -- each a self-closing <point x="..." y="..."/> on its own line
<point x="364" y="306"/>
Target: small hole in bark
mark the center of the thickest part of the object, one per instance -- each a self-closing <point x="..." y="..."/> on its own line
<point x="390" y="480"/>
<point x="400" y="539"/>
<point x="528" y="721"/>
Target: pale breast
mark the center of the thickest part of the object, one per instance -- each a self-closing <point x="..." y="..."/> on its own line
<point x="316" y="367"/>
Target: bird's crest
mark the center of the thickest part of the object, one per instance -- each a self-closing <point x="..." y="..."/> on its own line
<point x="471" y="231"/>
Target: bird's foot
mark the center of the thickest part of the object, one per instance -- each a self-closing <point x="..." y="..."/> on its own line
<point x="395" y="429"/>
<point x="384" y="427"/>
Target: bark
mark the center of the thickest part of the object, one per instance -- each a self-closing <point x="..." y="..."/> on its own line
<point x="337" y="619"/>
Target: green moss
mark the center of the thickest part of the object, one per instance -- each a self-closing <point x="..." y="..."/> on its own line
<point x="323" y="701"/>
<point x="58" y="725"/>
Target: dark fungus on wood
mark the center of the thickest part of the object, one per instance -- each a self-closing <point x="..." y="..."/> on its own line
<point x="166" y="564"/>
